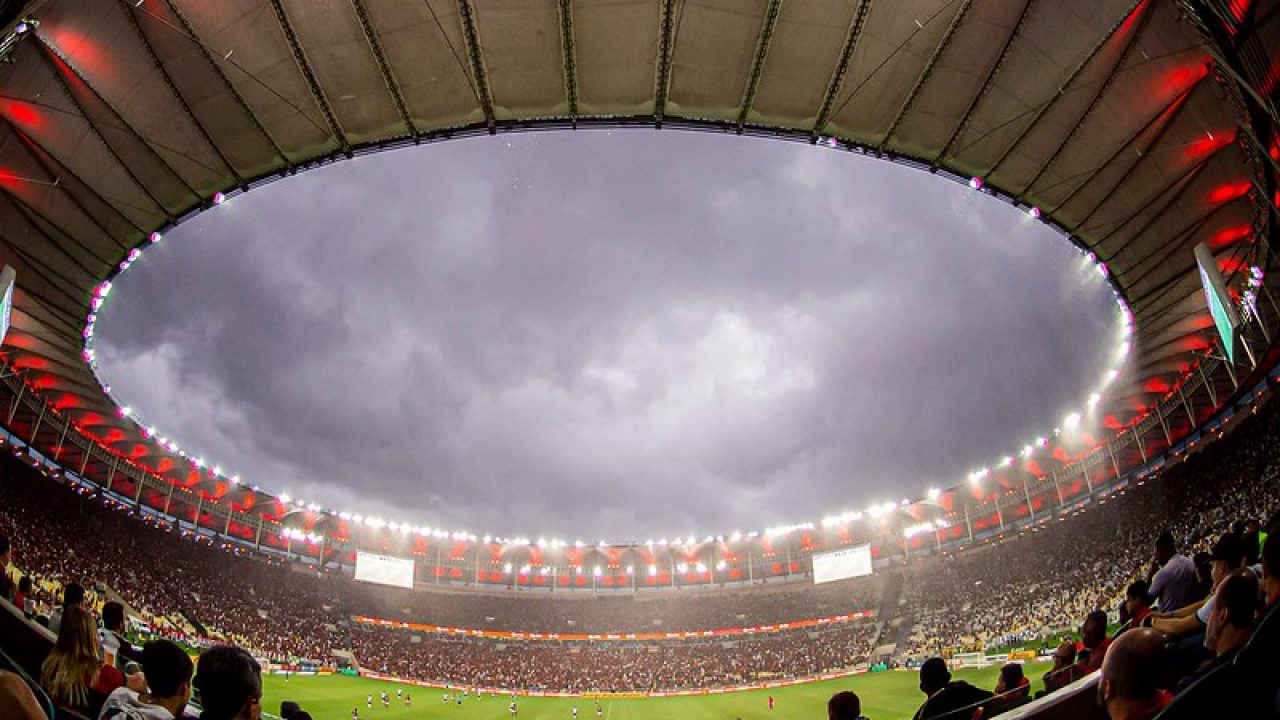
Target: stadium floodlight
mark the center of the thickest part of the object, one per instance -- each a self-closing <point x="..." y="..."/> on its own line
<point x="235" y="479"/>
<point x="126" y="411"/>
<point x="648" y="543"/>
<point x="506" y="568"/>
<point x="219" y="198"/>
<point x="975" y="182"/>
<point x="690" y="541"/>
<point x="577" y="569"/>
<point x="653" y="570"/>
<point x="198" y="462"/>
<point x="577" y="543"/>
<point x="683" y="567"/>
<point x="1027" y="450"/>
<point x="736" y="536"/>
<point x="1042" y="441"/>
<point x="701" y="567"/>
<point x="155" y="237"/>
<point x="721" y="565"/>
<point x="545" y="570"/>
<point x="217" y="470"/>
<point x="487" y="539"/>
<point x="1034" y="212"/>
<point x="934" y="494"/>
<point x="1006" y="461"/>
<point x="595" y="571"/>
<point x="1071" y="421"/>
<point x="1094" y="399"/>
<point x="631" y="570"/>
<point x="283" y="498"/>
<point x="524" y="569"/>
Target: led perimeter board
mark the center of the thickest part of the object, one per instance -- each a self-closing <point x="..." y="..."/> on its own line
<point x="384" y="569"/>
<point x="841" y="564"/>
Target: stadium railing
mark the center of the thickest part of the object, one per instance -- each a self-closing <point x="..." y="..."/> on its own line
<point x="1077" y="701"/>
<point x="8" y="663"/>
<point x="25" y="642"/>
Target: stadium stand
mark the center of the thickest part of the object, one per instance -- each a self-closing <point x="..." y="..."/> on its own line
<point x="1021" y="588"/>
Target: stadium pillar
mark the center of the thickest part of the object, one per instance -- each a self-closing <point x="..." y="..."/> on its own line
<point x="439" y="568"/>
<point x="257" y="537"/>
<point x="1164" y="424"/>
<point x="1088" y="481"/>
<point x="226" y="529"/>
<point x="36" y="428"/>
<point x="1231" y="372"/>
<point x="137" y="495"/>
<point x="111" y="478"/>
<point x="967" y="523"/>
<point x="999" y="514"/>
<point x="751" y="575"/>
<point x="1186" y="405"/>
<point x="167" y="500"/>
<point x="1208" y="386"/>
<point x="17" y="400"/>
<point x="62" y="439"/>
<point x="1142" y="447"/>
<point x="1026" y="492"/>
<point x="1056" y="486"/>
<point x="1114" y="462"/>
<point x="84" y="462"/>
<point x="199" y="509"/>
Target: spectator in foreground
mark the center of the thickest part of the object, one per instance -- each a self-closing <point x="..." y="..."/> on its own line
<point x="17" y="699"/>
<point x="114" y="644"/>
<point x="1094" y="642"/>
<point x="845" y="705"/>
<point x="1064" y="670"/>
<point x="72" y="673"/>
<point x="1127" y="687"/>
<point x="1136" y="606"/>
<point x="168" y="671"/>
<point x="228" y="684"/>
<point x="6" y="583"/>
<point x="23" y="595"/>
<point x="1230" y="622"/>
<point x="947" y="698"/>
<point x="72" y="597"/>
<point x="1172" y="577"/>
<point x="1271" y="570"/>
<point x="1013" y="690"/>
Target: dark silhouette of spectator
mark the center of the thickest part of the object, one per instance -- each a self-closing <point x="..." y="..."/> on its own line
<point x="1013" y="690"/>
<point x="1093" y="641"/>
<point x="1231" y="621"/>
<point x="168" y="670"/>
<point x="228" y="684"/>
<point x="21" y="597"/>
<point x="1136" y="606"/>
<point x="947" y="698"/>
<point x="1064" y="670"/>
<point x="6" y="583"/>
<point x="1271" y="570"/>
<point x="1128" y="686"/>
<point x="72" y="597"/>
<point x="845" y="705"/>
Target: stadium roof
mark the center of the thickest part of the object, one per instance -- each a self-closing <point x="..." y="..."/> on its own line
<point x="1129" y="125"/>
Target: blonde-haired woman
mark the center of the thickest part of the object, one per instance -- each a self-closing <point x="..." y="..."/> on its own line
<point x="73" y="673"/>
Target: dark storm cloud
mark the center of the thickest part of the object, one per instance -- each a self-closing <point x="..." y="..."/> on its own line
<point x="607" y="334"/>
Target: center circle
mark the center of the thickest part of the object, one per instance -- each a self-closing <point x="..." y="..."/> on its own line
<point x="611" y="335"/>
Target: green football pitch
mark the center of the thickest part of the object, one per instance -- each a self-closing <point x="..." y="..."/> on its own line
<point x="890" y="695"/>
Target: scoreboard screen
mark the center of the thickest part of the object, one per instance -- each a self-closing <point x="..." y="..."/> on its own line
<point x="841" y="564"/>
<point x="384" y="569"/>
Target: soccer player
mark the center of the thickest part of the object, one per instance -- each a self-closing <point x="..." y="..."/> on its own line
<point x="399" y="693"/>
<point x="575" y="712"/>
<point x="770" y="702"/>
<point x="408" y="702"/>
<point x="355" y="713"/>
<point x="512" y="707"/>
<point x="386" y="699"/>
<point x="599" y="710"/>
<point x="368" y="700"/>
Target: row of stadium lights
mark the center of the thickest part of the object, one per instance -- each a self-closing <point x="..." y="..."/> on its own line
<point x="975" y="478"/>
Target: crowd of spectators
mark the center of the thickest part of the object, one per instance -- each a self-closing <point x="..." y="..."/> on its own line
<point x="613" y="666"/>
<point x="646" y="611"/>
<point x="1157" y="553"/>
<point x="1040" y="583"/>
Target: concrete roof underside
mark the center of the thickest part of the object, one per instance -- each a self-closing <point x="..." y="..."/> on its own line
<point x="1122" y="121"/>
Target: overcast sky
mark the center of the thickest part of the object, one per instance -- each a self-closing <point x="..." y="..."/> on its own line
<point x="614" y="335"/>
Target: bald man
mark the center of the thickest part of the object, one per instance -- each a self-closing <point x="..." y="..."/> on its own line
<point x="1127" y="686"/>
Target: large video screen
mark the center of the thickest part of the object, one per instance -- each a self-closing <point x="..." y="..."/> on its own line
<point x="841" y="564"/>
<point x="384" y="569"/>
<point x="1224" y="315"/>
